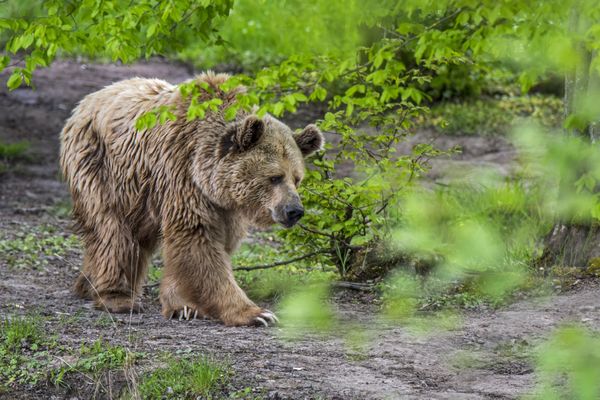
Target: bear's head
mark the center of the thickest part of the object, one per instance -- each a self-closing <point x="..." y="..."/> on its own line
<point x="260" y="164"/>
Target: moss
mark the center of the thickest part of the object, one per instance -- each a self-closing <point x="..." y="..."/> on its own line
<point x="593" y="268"/>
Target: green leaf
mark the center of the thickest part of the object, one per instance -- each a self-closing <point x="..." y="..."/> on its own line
<point x="151" y="30"/>
<point x="15" y="80"/>
<point x="360" y="88"/>
<point x="146" y="121"/>
<point x="319" y="93"/>
<point x="167" y="115"/>
<point x="278" y="109"/>
<point x="4" y="61"/>
<point x="230" y="113"/>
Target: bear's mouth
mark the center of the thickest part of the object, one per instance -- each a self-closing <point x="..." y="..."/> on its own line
<point x="288" y="215"/>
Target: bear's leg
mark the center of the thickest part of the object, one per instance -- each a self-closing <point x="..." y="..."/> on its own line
<point x="114" y="268"/>
<point x="198" y="280"/>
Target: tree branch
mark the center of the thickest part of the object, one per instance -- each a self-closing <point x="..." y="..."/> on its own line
<point x="277" y="264"/>
<point x="363" y="287"/>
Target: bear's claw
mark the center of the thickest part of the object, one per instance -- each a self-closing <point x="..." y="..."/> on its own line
<point x="187" y="313"/>
<point x="266" y="318"/>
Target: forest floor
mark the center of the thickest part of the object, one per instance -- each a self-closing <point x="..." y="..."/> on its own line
<point x="485" y="357"/>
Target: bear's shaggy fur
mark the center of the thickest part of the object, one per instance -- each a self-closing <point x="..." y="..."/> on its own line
<point x="193" y="185"/>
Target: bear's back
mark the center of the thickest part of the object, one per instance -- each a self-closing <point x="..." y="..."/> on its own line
<point x="102" y="152"/>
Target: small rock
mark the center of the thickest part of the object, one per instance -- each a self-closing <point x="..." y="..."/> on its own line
<point x="587" y="308"/>
<point x="273" y="395"/>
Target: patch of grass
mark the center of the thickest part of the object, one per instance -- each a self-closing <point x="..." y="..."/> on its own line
<point x="69" y="319"/>
<point x="16" y="332"/>
<point x="493" y="116"/>
<point x="462" y="298"/>
<point x="514" y="350"/>
<point x="62" y="209"/>
<point x="12" y="151"/>
<point x="104" y="320"/>
<point x="262" y="250"/>
<point x="23" y="351"/>
<point x="185" y="379"/>
<point x="465" y="359"/>
<point x="32" y="250"/>
<point x="94" y="359"/>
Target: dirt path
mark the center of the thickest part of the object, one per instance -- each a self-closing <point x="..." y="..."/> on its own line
<point x="482" y="359"/>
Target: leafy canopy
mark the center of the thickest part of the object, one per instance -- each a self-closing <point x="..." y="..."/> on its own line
<point x="114" y="29"/>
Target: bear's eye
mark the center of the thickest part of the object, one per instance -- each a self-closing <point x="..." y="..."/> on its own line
<point x="276" y="180"/>
<point x="296" y="181"/>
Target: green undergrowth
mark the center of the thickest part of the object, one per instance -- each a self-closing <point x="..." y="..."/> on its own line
<point x="155" y="273"/>
<point x="275" y="282"/>
<point x="33" y="248"/>
<point x="272" y="285"/>
<point x="493" y="115"/>
<point x="508" y="208"/>
<point x="11" y="153"/>
<point x="31" y="357"/>
<point x="92" y="360"/>
<point x="185" y="378"/>
<point x="24" y="351"/>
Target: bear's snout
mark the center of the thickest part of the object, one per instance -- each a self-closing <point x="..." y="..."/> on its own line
<point x="288" y="214"/>
<point x="293" y="213"/>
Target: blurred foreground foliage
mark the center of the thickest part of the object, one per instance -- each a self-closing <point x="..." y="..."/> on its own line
<point x="569" y="365"/>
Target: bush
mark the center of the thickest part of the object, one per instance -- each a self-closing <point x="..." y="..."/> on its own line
<point x="493" y="116"/>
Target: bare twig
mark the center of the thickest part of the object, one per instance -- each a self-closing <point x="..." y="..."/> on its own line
<point x="316" y="232"/>
<point x="286" y="262"/>
<point x="363" y="287"/>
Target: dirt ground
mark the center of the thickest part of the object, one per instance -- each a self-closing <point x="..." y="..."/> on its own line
<point x="480" y="359"/>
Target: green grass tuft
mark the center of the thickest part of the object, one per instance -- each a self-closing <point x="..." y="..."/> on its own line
<point x="23" y="351"/>
<point x="94" y="359"/>
<point x="11" y="151"/>
<point x="184" y="379"/>
<point x="17" y="332"/>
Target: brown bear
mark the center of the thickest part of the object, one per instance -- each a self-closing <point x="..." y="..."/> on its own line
<point x="193" y="185"/>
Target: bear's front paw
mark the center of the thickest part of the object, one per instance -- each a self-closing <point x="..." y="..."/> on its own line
<point x="187" y="313"/>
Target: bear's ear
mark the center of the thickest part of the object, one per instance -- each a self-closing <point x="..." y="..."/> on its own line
<point x="309" y="140"/>
<point x="243" y="135"/>
<point x="249" y="132"/>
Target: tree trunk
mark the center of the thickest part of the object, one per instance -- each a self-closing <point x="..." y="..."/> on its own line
<point x="572" y="244"/>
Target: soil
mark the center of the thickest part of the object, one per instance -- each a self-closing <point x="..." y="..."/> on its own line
<point x="478" y="359"/>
